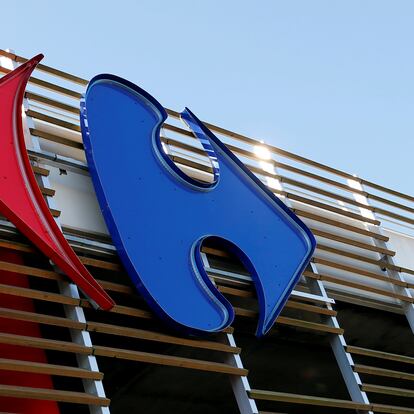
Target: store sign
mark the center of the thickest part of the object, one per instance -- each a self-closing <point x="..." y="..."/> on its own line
<point x="159" y="217"/>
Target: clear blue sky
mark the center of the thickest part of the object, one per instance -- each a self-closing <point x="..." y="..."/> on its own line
<point x="330" y="80"/>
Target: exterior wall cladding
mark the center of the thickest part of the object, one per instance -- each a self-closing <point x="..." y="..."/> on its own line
<point x="343" y="343"/>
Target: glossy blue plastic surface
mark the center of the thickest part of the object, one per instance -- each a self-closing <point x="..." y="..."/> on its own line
<point x="158" y="217"/>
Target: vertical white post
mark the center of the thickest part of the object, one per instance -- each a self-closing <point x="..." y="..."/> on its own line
<point x="338" y="345"/>
<point x="76" y="313"/>
<point x="240" y="384"/>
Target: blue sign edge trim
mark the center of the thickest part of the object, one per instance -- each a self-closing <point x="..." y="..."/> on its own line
<point x="261" y="329"/>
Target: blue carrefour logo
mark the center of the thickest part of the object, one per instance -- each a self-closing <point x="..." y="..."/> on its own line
<point x="158" y="217"/>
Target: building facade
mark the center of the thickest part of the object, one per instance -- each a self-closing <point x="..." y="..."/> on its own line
<point x="343" y="342"/>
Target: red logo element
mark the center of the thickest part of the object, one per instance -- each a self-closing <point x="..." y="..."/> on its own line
<point x="21" y="200"/>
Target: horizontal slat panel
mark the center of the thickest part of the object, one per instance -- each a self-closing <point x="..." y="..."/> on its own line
<point x="53" y="120"/>
<point x="168" y="360"/>
<point x="380" y="408"/>
<point x="309" y="325"/>
<point x="48" y="369"/>
<point x="297" y="323"/>
<point x="380" y="263"/>
<point x="361" y="286"/>
<point x="66" y="300"/>
<point x="381" y="389"/>
<point x="30" y="271"/>
<point x="251" y="141"/>
<point x="336" y="223"/>
<point x="351" y="242"/>
<point x="115" y="266"/>
<point x="230" y="134"/>
<point x="240" y="151"/>
<point x="45" y="68"/>
<point x="40" y="170"/>
<point x="52" y="102"/>
<point x="159" y="337"/>
<point x="333" y="209"/>
<point x="193" y="164"/>
<point x="103" y="264"/>
<point x="380" y="354"/>
<point x="58" y="298"/>
<point x="13" y="245"/>
<point x="326" y="402"/>
<point x="290" y="304"/>
<point x="309" y="187"/>
<point x="47" y="191"/>
<point x="287" y="180"/>
<point x="55" y="213"/>
<point x="38" y="294"/>
<point x="387" y="190"/>
<point x="306" y="400"/>
<point x="42" y="343"/>
<point x="56" y="138"/>
<point x="61" y="299"/>
<point x="80" y="146"/>
<point x="110" y="286"/>
<point x="382" y="372"/>
<point x="295" y="197"/>
<point x="41" y="318"/>
<point x="115" y="330"/>
<point x="49" y="86"/>
<point x="359" y="271"/>
<point x="52" y="395"/>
